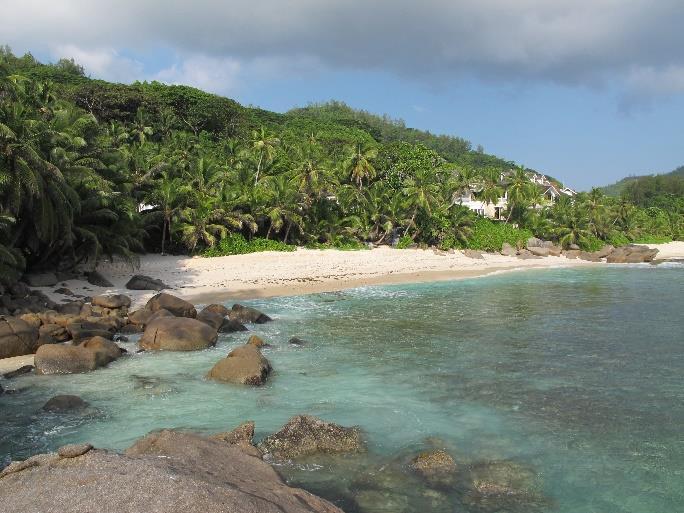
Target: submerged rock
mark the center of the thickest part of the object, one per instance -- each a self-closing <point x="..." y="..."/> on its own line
<point x="65" y="403"/>
<point x="164" y="472"/>
<point x="247" y="314"/>
<point x="24" y="369"/>
<point x="305" y="435"/>
<point x="175" y="305"/>
<point x="244" y="365"/>
<point x="177" y="334"/>
<point x="296" y="341"/>
<point x="438" y="467"/>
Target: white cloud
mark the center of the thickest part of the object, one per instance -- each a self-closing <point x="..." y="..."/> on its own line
<point x="569" y="42"/>
<point x="216" y="75"/>
<point x="103" y="63"/>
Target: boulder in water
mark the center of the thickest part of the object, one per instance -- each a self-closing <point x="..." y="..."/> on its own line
<point x="438" y="467"/>
<point x="244" y="365"/>
<point x="213" y="319"/>
<point x="175" y="305"/>
<point x="230" y="326"/>
<point x="305" y="435"/>
<point x="177" y="334"/>
<point x="67" y="359"/>
<point x="65" y="403"/>
<point x="247" y="314"/>
<point x="217" y="309"/>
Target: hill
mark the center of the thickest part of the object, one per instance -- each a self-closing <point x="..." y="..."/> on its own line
<point x="616" y="189"/>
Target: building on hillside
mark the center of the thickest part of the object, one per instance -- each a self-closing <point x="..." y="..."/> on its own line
<point x="486" y="209"/>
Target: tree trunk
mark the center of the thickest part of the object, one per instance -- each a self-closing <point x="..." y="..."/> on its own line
<point x="268" y="233"/>
<point x="287" y="231"/>
<point x="163" y="235"/>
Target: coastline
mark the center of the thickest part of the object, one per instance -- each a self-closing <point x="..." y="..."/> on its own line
<point x="305" y="271"/>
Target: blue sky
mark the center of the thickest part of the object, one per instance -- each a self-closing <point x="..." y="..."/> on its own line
<point x="588" y="91"/>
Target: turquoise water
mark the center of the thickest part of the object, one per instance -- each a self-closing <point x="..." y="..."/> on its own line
<point x="574" y="373"/>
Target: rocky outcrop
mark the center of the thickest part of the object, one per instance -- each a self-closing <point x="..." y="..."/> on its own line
<point x="175" y="305"/>
<point x="65" y="403"/>
<point x="112" y="301"/>
<point x="241" y="435"/>
<point x="246" y="315"/>
<point x="164" y="472"/>
<point x="142" y="282"/>
<point x="296" y="341"/>
<point x="139" y="317"/>
<point x="68" y="359"/>
<point x="177" y="334"/>
<point x="632" y="254"/>
<point x="244" y="365"/>
<point x="305" y="435"/>
<point x="17" y="337"/>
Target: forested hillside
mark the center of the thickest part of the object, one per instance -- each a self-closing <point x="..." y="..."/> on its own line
<point x="90" y="168"/>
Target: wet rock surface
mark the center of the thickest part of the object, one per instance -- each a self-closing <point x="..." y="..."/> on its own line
<point x="177" y="334"/>
<point x="244" y="365"/>
<point x="247" y="315"/>
<point x="305" y="435"/>
<point x="164" y="472"/>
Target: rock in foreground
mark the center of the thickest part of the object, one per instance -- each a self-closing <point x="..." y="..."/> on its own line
<point x="68" y="359"/>
<point x="177" y="306"/>
<point x="177" y="334"/>
<point x="305" y="435"/>
<point x="165" y="472"/>
<point x="17" y="337"/>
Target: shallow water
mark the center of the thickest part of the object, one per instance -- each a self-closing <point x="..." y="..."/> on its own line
<point x="575" y="374"/>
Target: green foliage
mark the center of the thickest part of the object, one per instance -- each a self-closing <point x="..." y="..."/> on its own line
<point x="652" y="239"/>
<point x="343" y="244"/>
<point x="490" y="235"/>
<point x="236" y="244"/>
<point x="591" y="243"/>
<point x="405" y="242"/>
<point x="618" y="239"/>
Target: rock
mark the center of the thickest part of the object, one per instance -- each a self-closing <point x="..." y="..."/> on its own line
<point x="17" y="337"/>
<point x="41" y="279"/>
<point x="131" y="329"/>
<point x="539" y="251"/>
<point x="140" y="317"/>
<point x="73" y="450"/>
<point x="507" y="249"/>
<point x="574" y="247"/>
<point x="471" y="253"/>
<point x="31" y="319"/>
<point x="64" y="291"/>
<point x="177" y="334"/>
<point x="437" y="467"/>
<point x="571" y="253"/>
<point x="534" y="242"/>
<point x="504" y="486"/>
<point x="526" y="254"/>
<point x="246" y="314"/>
<point x="215" y="320"/>
<point x="305" y="435"/>
<point x="230" y="326"/>
<point x="24" y="369"/>
<point x="243" y="434"/>
<point x="165" y="472"/>
<point x="95" y="278"/>
<point x="84" y="330"/>
<point x="112" y="301"/>
<point x="66" y="359"/>
<point x="106" y="350"/>
<point x="141" y="282"/>
<point x="555" y="250"/>
<point x="20" y="290"/>
<point x="65" y="403"/>
<point x="296" y="341"/>
<point x="257" y="341"/>
<point x="244" y="365"/>
<point x="70" y="308"/>
<point x="589" y="256"/>
<point x="604" y="251"/>
<point x="217" y="309"/>
<point x="175" y="305"/>
<point x="632" y="254"/>
<point x="57" y="332"/>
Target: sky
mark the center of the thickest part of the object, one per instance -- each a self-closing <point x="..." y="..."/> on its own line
<point x="588" y="91"/>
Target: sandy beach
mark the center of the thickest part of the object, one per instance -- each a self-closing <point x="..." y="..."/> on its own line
<point x="267" y="274"/>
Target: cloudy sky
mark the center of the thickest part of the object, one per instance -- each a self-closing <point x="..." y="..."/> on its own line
<point x="585" y="90"/>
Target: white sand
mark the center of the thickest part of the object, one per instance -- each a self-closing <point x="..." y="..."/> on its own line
<point x="303" y="271"/>
<point x="669" y="250"/>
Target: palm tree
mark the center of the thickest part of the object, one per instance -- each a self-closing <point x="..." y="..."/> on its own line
<point x="282" y="205"/>
<point x="264" y="147"/>
<point x="358" y="164"/>
<point x="168" y="195"/>
<point x="521" y="191"/>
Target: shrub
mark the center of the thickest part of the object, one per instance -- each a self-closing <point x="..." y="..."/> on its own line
<point x="618" y="239"/>
<point x="490" y="236"/>
<point x="652" y="239"/>
<point x="590" y="243"/>
<point x="236" y="244"/>
<point x="341" y="244"/>
<point x="405" y="242"/>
